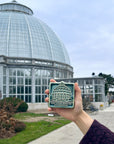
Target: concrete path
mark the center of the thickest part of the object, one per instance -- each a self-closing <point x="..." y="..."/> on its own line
<point x="70" y="134"/>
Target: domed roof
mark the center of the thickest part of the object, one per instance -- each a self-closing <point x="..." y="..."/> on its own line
<point x="22" y="35"/>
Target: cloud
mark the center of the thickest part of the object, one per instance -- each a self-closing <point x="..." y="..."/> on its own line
<point x="94" y="53"/>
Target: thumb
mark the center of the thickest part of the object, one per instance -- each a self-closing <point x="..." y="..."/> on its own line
<point x="77" y="91"/>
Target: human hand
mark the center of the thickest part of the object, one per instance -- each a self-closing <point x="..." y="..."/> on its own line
<point x="71" y="114"/>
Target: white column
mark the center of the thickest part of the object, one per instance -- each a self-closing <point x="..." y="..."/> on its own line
<point x="54" y="73"/>
<point x="85" y="91"/>
<point x="33" y="85"/>
<point x="103" y="93"/>
<point x="1" y="82"/>
<point x="7" y="82"/>
<point x="93" y="90"/>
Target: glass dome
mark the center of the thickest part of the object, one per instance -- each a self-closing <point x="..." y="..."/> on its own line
<point x="22" y="35"/>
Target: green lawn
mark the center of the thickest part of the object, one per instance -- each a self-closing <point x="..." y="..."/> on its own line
<point x="22" y="116"/>
<point x="34" y="130"/>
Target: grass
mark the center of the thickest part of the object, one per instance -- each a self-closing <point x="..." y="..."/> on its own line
<point x="34" y="130"/>
<point x="22" y="116"/>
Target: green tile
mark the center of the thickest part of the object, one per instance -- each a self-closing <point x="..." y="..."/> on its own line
<point x="61" y="95"/>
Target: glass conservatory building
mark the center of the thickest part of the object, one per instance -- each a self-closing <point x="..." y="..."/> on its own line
<point x="30" y="54"/>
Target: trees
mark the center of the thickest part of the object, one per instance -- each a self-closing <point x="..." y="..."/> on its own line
<point x="109" y="81"/>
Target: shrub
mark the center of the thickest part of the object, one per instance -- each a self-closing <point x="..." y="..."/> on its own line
<point x="5" y="125"/>
<point x="23" y="107"/>
<point x="12" y="104"/>
<point x="92" y="107"/>
<point x="19" y="126"/>
<point x="85" y="103"/>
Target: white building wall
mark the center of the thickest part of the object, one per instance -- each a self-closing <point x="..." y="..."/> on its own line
<point x="37" y="106"/>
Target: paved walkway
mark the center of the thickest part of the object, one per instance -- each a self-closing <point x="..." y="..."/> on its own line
<point x="70" y="134"/>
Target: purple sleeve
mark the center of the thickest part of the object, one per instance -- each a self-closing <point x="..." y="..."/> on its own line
<point x="98" y="134"/>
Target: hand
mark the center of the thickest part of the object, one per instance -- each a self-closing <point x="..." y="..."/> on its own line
<point x="71" y="114"/>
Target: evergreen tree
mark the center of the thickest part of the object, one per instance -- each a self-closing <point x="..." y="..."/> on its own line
<point x="109" y="81"/>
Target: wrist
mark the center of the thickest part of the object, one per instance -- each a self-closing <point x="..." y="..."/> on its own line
<point x="83" y="121"/>
<point x="76" y="116"/>
<point x="79" y="116"/>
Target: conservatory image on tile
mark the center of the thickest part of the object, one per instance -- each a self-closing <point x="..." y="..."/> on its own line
<point x="30" y="55"/>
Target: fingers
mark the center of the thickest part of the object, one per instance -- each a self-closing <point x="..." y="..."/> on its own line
<point x="47" y="91"/>
<point x="77" y="90"/>
<point x="52" y="80"/>
<point x="50" y="109"/>
<point x="46" y="99"/>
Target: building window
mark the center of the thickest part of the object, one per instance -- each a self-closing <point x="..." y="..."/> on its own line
<point x="38" y="81"/>
<point x="43" y="98"/>
<point x="98" y="89"/>
<point x="38" y="89"/>
<point x="98" y="98"/>
<point x="38" y="98"/>
<point x="28" y="98"/>
<point x="18" y="82"/>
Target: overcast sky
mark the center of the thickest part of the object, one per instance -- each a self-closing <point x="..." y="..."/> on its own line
<point x="86" y="27"/>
